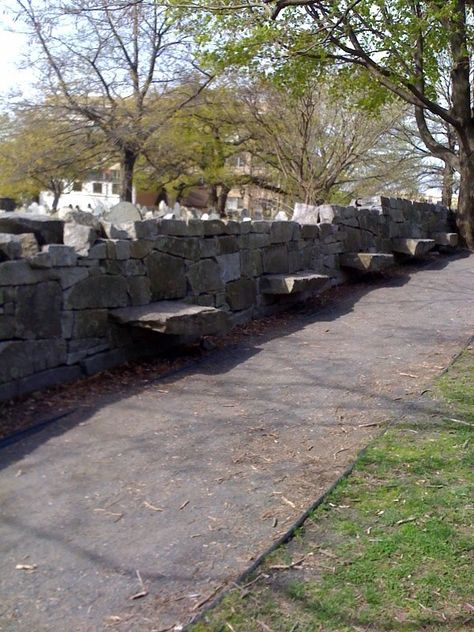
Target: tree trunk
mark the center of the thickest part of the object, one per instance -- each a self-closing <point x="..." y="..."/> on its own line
<point x="448" y="185"/>
<point x="465" y="212"/>
<point x="223" y="194"/>
<point x="129" y="158"/>
<point x="213" y="198"/>
<point x="57" y="190"/>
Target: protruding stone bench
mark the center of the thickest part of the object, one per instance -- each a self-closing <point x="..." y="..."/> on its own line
<point x="446" y="239"/>
<point x="366" y="261"/>
<point x="293" y="283"/>
<point x="175" y="318"/>
<point x="413" y="247"/>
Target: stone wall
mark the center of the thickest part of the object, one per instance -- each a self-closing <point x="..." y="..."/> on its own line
<point x="55" y="304"/>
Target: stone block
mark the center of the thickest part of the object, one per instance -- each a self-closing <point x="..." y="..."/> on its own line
<point x="21" y="273"/>
<point x="260" y="226"/>
<point x="41" y="260"/>
<point x="45" y="229"/>
<point x="19" y="358"/>
<point x="7" y="326"/>
<point x="140" y="248"/>
<point x="251" y="263"/>
<point x="176" y="318"/>
<point x="38" y="311"/>
<point x="139" y="290"/>
<point x="204" y="276"/>
<point x="96" y="292"/>
<point x="117" y="231"/>
<point x="90" y="323"/>
<point x="229" y="266"/>
<point x="227" y="245"/>
<point x="241" y="294"/>
<point x="309" y="231"/>
<point x="98" y="250"/>
<point x="254" y="240"/>
<point x="79" y="237"/>
<point x="281" y="284"/>
<point x="208" y="247"/>
<point x="68" y="277"/>
<point x="167" y="275"/>
<point x="446" y="239"/>
<point x="61" y="255"/>
<point x="9" y="247"/>
<point x="413" y="247"/>
<point x="232" y="227"/>
<point x="146" y="229"/>
<point x="82" y="348"/>
<point x="212" y="227"/>
<point x="67" y="323"/>
<point x="366" y="261"/>
<point x="275" y="259"/>
<point x="40" y="381"/>
<point x="281" y="232"/>
<point x="326" y="213"/>
<point x="184" y="247"/>
<point x="177" y="228"/>
<point x="104" y="361"/>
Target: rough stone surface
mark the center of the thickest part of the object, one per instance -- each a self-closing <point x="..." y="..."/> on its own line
<point x="367" y="261"/>
<point x="229" y="266"/>
<point x="413" y="247"/>
<point x="123" y="212"/>
<point x="17" y="246"/>
<point x="46" y="230"/>
<point x="97" y="291"/>
<point x="275" y="259"/>
<point x="293" y="283"/>
<point x="185" y="247"/>
<point x="175" y="318"/>
<point x="38" y="311"/>
<point x="61" y="256"/>
<point x="446" y="239"/>
<point x="79" y="237"/>
<point x="167" y="276"/>
<point x="204" y="276"/>
<point x="240" y="294"/>
<point x="19" y="358"/>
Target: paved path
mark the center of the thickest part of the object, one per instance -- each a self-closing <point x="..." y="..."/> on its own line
<point x="184" y="483"/>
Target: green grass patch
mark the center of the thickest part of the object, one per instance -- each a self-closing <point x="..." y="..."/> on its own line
<point x="392" y="548"/>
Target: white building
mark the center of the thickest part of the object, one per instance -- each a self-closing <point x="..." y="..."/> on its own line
<point x="98" y="189"/>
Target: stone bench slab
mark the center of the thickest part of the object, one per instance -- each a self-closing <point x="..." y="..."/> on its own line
<point x="367" y="261"/>
<point x="446" y="239"/>
<point x="292" y="283"/>
<point x="175" y="318"/>
<point x="413" y="247"/>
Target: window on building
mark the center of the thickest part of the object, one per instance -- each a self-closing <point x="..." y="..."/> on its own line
<point x="115" y="189"/>
<point x="97" y="187"/>
<point x="77" y="186"/>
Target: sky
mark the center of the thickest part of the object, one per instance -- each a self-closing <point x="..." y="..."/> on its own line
<point x="13" y="45"/>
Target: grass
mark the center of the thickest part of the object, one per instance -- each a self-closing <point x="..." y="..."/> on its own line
<point x="392" y="548"/>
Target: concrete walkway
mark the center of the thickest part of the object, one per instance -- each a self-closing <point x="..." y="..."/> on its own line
<point x="173" y="491"/>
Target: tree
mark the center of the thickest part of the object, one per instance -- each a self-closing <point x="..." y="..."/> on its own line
<point x="103" y="60"/>
<point x="407" y="47"/>
<point x="322" y="147"/>
<point x="37" y="153"/>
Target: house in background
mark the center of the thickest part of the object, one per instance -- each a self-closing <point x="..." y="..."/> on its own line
<point x="99" y="188"/>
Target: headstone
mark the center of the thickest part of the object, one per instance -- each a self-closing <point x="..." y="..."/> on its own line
<point x="123" y="212"/>
<point x="305" y="213"/>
